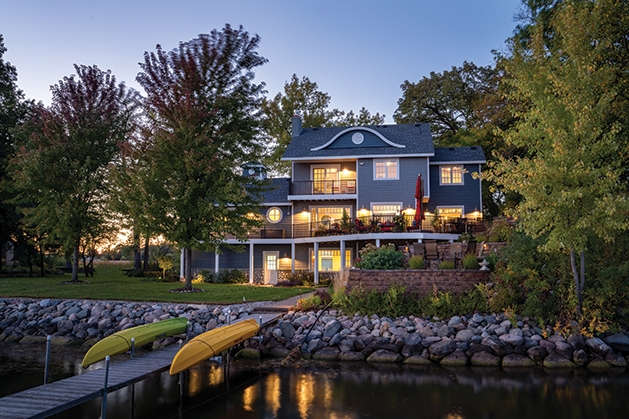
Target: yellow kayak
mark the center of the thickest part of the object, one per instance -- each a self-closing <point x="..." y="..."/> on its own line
<point x="212" y="343"/>
<point x="120" y="342"/>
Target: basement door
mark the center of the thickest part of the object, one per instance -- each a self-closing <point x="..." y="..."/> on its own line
<point x="270" y="267"/>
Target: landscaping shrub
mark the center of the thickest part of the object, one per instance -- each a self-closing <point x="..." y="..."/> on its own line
<point x="446" y="264"/>
<point x="470" y="262"/>
<point x="416" y="262"/>
<point x="380" y="258"/>
<point x="225" y="276"/>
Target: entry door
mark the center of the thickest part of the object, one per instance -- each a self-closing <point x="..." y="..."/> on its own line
<point x="270" y="267"/>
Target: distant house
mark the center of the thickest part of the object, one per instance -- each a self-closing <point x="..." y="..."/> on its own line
<point x="351" y="186"/>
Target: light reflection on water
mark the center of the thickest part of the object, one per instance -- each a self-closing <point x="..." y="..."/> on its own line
<point x="334" y="390"/>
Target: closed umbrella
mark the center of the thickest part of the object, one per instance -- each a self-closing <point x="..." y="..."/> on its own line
<point x="419" y="205"/>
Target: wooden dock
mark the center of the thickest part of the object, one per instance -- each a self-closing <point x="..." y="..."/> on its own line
<point x="46" y="400"/>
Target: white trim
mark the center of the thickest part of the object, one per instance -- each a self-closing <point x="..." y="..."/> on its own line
<point x="446" y="163"/>
<point x="376" y="133"/>
<point x="276" y="204"/>
<point x="349" y="157"/>
<point x="397" y="168"/>
<point x="462" y="183"/>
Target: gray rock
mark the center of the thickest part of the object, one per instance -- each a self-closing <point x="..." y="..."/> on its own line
<point x="346" y="345"/>
<point x="537" y="353"/>
<point x="382" y="355"/>
<point x="335" y="339"/>
<point x="455" y="359"/>
<point x="464" y="335"/>
<point x="597" y="364"/>
<point x="326" y="354"/>
<point x="597" y="345"/>
<point x="485" y="359"/>
<point x="555" y="360"/>
<point x="618" y="342"/>
<point x="516" y="360"/>
<point x="442" y="348"/>
<point x="332" y="328"/>
<point x="445" y="331"/>
<point x="315" y="344"/>
<point x="418" y="360"/>
<point x="580" y="357"/>
<point x="351" y="356"/>
<point x="616" y="360"/>
<point x="288" y="330"/>
<point x="512" y="339"/>
<point x="413" y="339"/>
<point x="565" y="349"/>
<point x="431" y="340"/>
<point x="455" y="320"/>
<point x="576" y="341"/>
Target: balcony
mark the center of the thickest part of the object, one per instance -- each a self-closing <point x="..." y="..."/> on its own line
<point x="322" y="187"/>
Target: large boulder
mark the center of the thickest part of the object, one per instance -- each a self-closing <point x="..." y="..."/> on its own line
<point x="485" y="359"/>
<point x="441" y="349"/>
<point x="516" y="360"/>
<point x="555" y="360"/>
<point x="455" y="359"/>
<point x="619" y="342"/>
<point x="382" y="355"/>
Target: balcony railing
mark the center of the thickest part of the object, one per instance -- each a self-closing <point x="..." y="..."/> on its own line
<point x="369" y="224"/>
<point x="323" y="187"/>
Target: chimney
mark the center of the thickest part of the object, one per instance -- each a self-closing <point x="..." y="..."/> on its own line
<point x="296" y="125"/>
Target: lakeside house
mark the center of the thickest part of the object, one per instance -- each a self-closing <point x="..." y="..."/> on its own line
<point x="351" y="186"/>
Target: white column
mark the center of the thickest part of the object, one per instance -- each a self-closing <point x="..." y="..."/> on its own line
<point x="251" y="258"/>
<point x="316" y="262"/>
<point x="377" y="242"/>
<point x="182" y="260"/>
<point x="292" y="258"/>
<point x="216" y="260"/>
<point x="342" y="256"/>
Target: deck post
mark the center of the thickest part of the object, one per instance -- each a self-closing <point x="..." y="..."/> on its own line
<point x="132" y="347"/>
<point x="47" y="359"/>
<point x="103" y="414"/>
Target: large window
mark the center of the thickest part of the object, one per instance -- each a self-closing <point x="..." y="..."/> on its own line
<point x="326" y="217"/>
<point x="452" y="175"/>
<point x="330" y="260"/>
<point x="450" y="212"/>
<point x="384" y="169"/>
<point x="386" y="208"/>
<point x="325" y="179"/>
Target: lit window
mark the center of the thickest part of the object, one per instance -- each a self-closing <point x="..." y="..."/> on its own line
<point x="386" y="209"/>
<point x="274" y="215"/>
<point x="451" y="175"/>
<point x="386" y="169"/>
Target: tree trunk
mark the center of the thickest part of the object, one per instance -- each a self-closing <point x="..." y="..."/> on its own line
<point x="579" y="278"/>
<point x="75" y="264"/>
<point x="41" y="260"/>
<point x="137" y="260"/>
<point x="146" y="253"/>
<point x="187" y="262"/>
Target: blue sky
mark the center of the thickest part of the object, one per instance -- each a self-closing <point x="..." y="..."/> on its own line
<point x="359" y="52"/>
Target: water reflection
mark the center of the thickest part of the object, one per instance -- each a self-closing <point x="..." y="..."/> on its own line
<point x="350" y="390"/>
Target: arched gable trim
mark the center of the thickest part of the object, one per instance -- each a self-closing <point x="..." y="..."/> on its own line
<point x="376" y="133"/>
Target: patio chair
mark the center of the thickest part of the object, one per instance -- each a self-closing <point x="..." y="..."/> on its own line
<point x="431" y="253"/>
<point x="360" y="226"/>
<point x="419" y="249"/>
<point x="414" y="226"/>
<point x="454" y="254"/>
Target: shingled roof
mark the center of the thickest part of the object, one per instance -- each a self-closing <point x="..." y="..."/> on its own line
<point x="393" y="140"/>
<point x="470" y="154"/>
<point x="277" y="192"/>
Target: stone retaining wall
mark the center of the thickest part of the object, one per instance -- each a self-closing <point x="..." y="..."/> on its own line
<point x="423" y="282"/>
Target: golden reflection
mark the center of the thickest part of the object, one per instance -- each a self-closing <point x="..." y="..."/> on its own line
<point x="195" y="381"/>
<point x="249" y="397"/>
<point x="273" y="393"/>
<point x="453" y="416"/>
<point x="304" y="390"/>
<point x="327" y="394"/>
<point x="198" y="378"/>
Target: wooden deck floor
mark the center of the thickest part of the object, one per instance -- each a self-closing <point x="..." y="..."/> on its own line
<point x="46" y="400"/>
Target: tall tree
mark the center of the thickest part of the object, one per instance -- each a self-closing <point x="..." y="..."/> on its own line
<point x="12" y="112"/>
<point x="447" y="101"/>
<point x="204" y="111"/>
<point x="303" y="97"/>
<point x="60" y="165"/>
<point x="574" y="128"/>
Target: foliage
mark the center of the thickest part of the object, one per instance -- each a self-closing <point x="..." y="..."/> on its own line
<point x="165" y="264"/>
<point x="573" y="99"/>
<point x="392" y="303"/>
<point x="223" y="276"/>
<point x="204" y="113"/>
<point x="379" y="258"/>
<point x="60" y="164"/>
<point x="416" y="262"/>
<point x="470" y="262"/>
<point x="499" y="230"/>
<point x="447" y="264"/>
<point x="312" y="302"/>
<point x="303" y="97"/>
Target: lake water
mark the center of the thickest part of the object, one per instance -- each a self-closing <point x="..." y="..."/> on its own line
<point x="336" y="390"/>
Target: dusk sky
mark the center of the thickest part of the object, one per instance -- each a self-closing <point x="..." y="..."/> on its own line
<point x="359" y="52"/>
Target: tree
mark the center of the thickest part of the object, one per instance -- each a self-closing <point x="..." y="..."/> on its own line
<point x="447" y="101"/>
<point x="574" y="101"/>
<point x="12" y="111"/>
<point x="60" y="165"/>
<point x="204" y="112"/>
<point x="303" y="97"/>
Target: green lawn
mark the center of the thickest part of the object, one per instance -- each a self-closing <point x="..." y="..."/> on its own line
<point x="109" y="283"/>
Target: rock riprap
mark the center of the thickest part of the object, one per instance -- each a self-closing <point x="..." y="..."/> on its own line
<point x="482" y="340"/>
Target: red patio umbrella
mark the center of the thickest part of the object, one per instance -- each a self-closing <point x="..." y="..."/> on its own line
<point x="419" y="194"/>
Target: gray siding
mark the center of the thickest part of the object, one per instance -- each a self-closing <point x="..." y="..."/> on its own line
<point x="467" y="194"/>
<point x="401" y="190"/>
<point x="230" y="259"/>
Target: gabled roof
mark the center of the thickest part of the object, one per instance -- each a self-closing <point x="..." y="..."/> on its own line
<point x="367" y="141"/>
<point x="469" y="154"/>
<point x="277" y="192"/>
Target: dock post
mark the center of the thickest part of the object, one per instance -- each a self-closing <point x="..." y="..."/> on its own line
<point x="103" y="410"/>
<point x="132" y="347"/>
<point x="47" y="359"/>
<point x="229" y="316"/>
<point x="181" y="375"/>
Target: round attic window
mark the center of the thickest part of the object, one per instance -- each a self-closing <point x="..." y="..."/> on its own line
<point x="274" y="215"/>
<point x="358" y="138"/>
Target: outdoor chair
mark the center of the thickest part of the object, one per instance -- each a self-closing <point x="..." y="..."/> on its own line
<point x="431" y="253"/>
<point x="454" y="254"/>
<point x="360" y="226"/>
<point x="414" y="226"/>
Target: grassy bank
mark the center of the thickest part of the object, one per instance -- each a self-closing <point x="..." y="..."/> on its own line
<point x="110" y="283"/>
